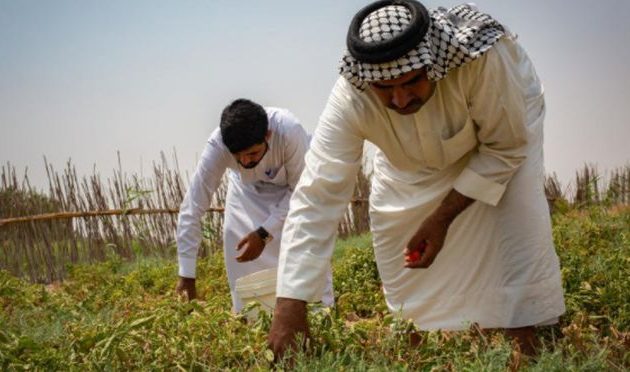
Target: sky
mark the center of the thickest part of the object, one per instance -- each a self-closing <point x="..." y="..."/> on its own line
<point x="85" y="79"/>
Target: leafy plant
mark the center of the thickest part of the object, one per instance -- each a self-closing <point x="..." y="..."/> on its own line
<point x="121" y="315"/>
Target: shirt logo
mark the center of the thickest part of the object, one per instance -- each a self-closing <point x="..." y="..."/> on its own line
<point x="269" y="173"/>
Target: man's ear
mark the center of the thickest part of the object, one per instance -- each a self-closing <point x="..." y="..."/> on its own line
<point x="268" y="135"/>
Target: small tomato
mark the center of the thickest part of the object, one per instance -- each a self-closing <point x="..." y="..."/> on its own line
<point x="413" y="256"/>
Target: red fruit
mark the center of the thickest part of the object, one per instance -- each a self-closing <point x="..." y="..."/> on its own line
<point x="413" y="256"/>
<point x="416" y="254"/>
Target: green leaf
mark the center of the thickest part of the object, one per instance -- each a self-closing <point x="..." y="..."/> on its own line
<point x="138" y="322"/>
<point x="269" y="355"/>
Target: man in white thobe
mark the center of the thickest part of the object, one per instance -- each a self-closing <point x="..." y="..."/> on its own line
<point x="460" y="224"/>
<point x="263" y="150"/>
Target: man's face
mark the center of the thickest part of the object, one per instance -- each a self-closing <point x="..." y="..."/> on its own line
<point x="251" y="156"/>
<point x="405" y="94"/>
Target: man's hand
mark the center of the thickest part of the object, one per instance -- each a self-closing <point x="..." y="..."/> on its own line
<point x="289" y="319"/>
<point x="186" y="287"/>
<point x="252" y="246"/>
<point x="427" y="242"/>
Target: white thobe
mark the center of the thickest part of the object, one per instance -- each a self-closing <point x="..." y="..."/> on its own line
<point x="481" y="134"/>
<point x="255" y="197"/>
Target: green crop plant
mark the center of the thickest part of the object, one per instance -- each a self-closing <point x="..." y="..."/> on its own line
<point x="122" y="315"/>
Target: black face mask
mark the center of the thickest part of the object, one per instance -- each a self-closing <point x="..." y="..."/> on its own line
<point x="253" y="164"/>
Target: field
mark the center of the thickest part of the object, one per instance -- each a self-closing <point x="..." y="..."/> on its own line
<point x="121" y="314"/>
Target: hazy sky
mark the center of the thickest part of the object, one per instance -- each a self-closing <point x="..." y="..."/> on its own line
<point x="82" y="79"/>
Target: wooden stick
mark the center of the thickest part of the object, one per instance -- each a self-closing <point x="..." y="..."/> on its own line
<point x="110" y="212"/>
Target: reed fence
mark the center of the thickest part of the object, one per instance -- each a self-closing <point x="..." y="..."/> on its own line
<point x="87" y="219"/>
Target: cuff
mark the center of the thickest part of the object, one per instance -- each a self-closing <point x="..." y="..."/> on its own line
<point x="479" y="188"/>
<point x="302" y="278"/>
<point x="187" y="267"/>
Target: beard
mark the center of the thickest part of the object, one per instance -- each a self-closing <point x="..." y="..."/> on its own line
<point x="250" y="165"/>
<point x="253" y="164"/>
<point x="411" y="108"/>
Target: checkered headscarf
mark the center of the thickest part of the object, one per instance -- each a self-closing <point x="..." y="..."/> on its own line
<point x="450" y="38"/>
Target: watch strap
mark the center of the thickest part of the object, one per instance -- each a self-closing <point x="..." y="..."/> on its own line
<point x="264" y="234"/>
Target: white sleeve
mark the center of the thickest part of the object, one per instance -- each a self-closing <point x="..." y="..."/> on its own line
<point x="498" y="108"/>
<point x="204" y="183"/>
<point x="296" y="144"/>
<point x="319" y="201"/>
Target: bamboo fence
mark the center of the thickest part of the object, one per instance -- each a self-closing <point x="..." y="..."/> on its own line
<point x="88" y="219"/>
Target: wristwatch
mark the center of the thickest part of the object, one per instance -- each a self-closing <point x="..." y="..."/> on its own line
<point x="264" y="235"/>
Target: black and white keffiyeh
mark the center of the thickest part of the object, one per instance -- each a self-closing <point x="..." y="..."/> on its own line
<point x="391" y="37"/>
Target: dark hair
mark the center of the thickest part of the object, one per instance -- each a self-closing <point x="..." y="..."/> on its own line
<point x="243" y="124"/>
